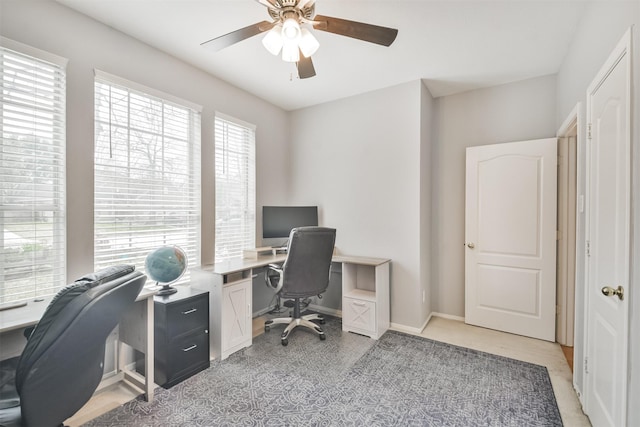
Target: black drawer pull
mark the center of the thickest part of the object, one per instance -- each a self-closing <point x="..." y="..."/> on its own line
<point x="193" y="310"/>
<point x="189" y="348"/>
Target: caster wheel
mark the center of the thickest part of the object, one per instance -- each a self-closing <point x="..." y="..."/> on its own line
<point x="321" y="321"/>
<point x="322" y="337"/>
<point x="284" y="342"/>
<point x="267" y="328"/>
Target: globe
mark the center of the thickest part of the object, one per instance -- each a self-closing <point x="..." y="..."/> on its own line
<point x="166" y="265"/>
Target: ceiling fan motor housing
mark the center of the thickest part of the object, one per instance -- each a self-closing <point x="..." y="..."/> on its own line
<point x="290" y="9"/>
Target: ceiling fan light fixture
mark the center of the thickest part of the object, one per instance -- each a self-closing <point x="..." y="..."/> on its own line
<point x="308" y="43"/>
<point x="273" y="40"/>
<point x="290" y="29"/>
<point x="290" y="52"/>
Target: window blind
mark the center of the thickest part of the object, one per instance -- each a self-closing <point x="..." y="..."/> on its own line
<point x="32" y="176"/>
<point x="235" y="187"/>
<point x="147" y="176"/>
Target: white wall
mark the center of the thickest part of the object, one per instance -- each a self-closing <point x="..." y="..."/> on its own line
<point x="87" y="45"/>
<point x="359" y="159"/>
<point x="513" y="112"/>
<point x="602" y="26"/>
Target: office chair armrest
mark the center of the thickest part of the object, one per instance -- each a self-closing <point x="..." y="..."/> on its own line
<point x="28" y="331"/>
<point x="277" y="269"/>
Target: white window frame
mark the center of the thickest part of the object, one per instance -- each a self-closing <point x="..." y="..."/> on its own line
<point x="32" y="111"/>
<point x="123" y="221"/>
<point x="235" y="174"/>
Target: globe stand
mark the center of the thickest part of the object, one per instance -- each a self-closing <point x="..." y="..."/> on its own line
<point x="166" y="290"/>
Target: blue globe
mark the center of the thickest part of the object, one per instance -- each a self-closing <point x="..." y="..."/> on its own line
<point x="166" y="264"/>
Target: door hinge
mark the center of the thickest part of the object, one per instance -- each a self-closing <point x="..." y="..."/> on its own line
<point x="586" y="370"/>
<point x="557" y="309"/>
<point x="589" y="131"/>
<point x="558" y="234"/>
<point x="588" y="248"/>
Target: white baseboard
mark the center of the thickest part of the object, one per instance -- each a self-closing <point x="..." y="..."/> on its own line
<point x="448" y="316"/>
<point x="412" y="330"/>
<point x="325" y="310"/>
<point x="404" y="328"/>
<point x="396" y="326"/>
<point x="261" y="312"/>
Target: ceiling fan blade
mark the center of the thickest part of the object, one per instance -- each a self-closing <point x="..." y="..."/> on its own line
<point x="268" y="3"/>
<point x="305" y="67"/>
<point x="236" y="36"/>
<point x="305" y="3"/>
<point x="357" y="30"/>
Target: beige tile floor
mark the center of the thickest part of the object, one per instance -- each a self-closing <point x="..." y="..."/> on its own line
<point x="446" y="330"/>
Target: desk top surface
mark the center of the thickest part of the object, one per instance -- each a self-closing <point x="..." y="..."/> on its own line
<point x="241" y="264"/>
<point x="30" y="314"/>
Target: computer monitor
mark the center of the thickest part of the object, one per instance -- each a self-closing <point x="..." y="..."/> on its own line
<point x="278" y="221"/>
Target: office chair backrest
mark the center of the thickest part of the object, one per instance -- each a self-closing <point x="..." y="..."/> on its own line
<point x="306" y="269"/>
<point x="62" y="363"/>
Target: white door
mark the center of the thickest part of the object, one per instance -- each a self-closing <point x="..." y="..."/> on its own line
<point x="510" y="232"/>
<point x="608" y="178"/>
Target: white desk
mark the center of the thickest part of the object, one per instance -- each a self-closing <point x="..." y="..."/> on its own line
<point x="136" y="330"/>
<point x="365" y="298"/>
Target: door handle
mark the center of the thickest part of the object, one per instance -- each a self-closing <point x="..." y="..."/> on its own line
<point x="470" y="245"/>
<point x="609" y="291"/>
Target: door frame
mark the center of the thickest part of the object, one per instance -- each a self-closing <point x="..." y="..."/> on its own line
<point x="567" y="224"/>
<point x="576" y="120"/>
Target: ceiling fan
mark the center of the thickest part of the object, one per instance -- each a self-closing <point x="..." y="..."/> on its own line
<point x="285" y="32"/>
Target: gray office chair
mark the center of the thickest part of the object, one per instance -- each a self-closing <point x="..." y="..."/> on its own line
<point x="305" y="273"/>
<point x="62" y="363"/>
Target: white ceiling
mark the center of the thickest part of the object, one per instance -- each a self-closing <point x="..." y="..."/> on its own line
<point x="453" y="46"/>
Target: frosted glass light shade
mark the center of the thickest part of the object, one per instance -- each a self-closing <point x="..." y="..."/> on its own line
<point x="308" y="43"/>
<point x="273" y="40"/>
<point x="290" y="52"/>
<point x="290" y="30"/>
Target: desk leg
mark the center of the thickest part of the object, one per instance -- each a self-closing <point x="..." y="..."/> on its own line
<point x="136" y="330"/>
<point x="149" y="352"/>
<point x="120" y="353"/>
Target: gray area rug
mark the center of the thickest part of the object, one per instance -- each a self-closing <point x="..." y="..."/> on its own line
<point x="350" y="380"/>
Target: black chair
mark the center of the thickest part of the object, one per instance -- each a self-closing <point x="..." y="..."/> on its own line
<point x="305" y="273"/>
<point x="62" y="362"/>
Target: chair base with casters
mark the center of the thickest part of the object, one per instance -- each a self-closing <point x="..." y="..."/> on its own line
<point x="295" y="321"/>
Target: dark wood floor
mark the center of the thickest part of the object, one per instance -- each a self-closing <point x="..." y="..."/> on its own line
<point x="568" y="354"/>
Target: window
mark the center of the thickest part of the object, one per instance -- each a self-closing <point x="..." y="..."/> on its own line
<point x="32" y="174"/>
<point x="147" y="174"/>
<point x="235" y="187"/>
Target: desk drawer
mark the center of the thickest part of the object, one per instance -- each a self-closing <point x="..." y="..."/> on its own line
<point x="184" y="316"/>
<point x="359" y="315"/>
<point x="186" y="356"/>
